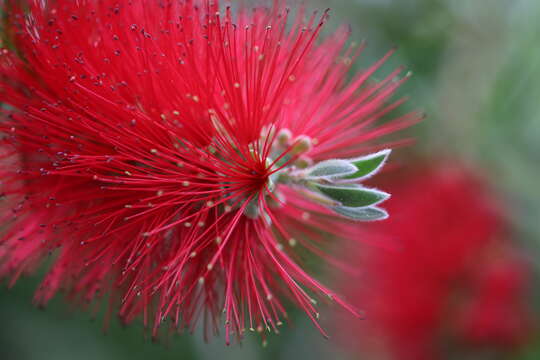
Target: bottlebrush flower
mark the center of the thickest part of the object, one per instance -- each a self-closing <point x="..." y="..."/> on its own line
<point x="455" y="287"/>
<point x="172" y="155"/>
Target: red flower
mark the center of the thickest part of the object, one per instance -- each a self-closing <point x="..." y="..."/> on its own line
<point x="158" y="150"/>
<point x="453" y="285"/>
<point x="496" y="315"/>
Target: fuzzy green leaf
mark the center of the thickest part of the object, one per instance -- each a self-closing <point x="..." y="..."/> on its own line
<point x="352" y="195"/>
<point x="368" y="165"/>
<point x="331" y="169"/>
<point x="361" y="214"/>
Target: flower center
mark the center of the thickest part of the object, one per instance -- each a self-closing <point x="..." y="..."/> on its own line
<point x="287" y="156"/>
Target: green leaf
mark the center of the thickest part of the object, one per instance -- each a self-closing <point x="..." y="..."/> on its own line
<point x="331" y="169"/>
<point x="319" y="198"/>
<point x="352" y="195"/>
<point x="362" y="214"/>
<point x="369" y="165"/>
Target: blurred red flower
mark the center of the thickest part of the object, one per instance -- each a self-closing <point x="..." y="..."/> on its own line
<point x="454" y="285"/>
<point x="142" y="147"/>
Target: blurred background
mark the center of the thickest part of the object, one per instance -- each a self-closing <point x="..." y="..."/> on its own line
<point x="461" y="281"/>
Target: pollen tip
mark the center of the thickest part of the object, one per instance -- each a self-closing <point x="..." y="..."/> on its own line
<point x="284" y="137"/>
<point x="302" y="144"/>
